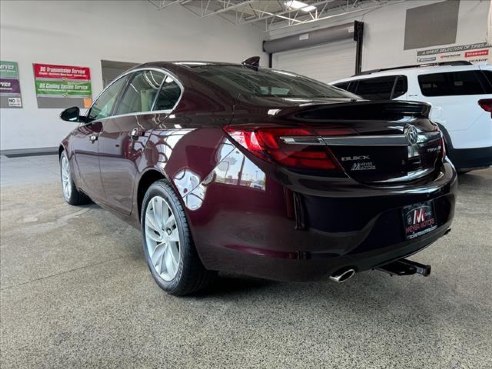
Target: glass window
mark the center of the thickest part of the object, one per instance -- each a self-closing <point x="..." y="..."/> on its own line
<point x="168" y="95"/>
<point x="351" y="87"/>
<point x="342" y="85"/>
<point x="140" y="93"/>
<point x="488" y="77"/>
<point x="452" y="83"/>
<point x="103" y="106"/>
<point x="401" y="87"/>
<point x="266" y="82"/>
<point x="378" y="88"/>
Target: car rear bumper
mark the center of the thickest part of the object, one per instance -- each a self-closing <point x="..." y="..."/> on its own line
<point x="466" y="159"/>
<point x="305" y="266"/>
<point x="314" y="236"/>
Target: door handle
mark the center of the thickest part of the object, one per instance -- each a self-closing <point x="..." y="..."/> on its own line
<point x="136" y="133"/>
<point x="93" y="138"/>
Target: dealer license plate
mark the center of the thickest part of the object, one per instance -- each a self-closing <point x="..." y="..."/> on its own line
<point x="418" y="219"/>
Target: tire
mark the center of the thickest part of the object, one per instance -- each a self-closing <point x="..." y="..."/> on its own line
<point x="168" y="246"/>
<point x="70" y="193"/>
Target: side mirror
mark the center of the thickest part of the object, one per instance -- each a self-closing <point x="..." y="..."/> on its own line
<point x="71" y="114"/>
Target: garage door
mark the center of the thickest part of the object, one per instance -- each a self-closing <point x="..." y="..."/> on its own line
<point x="325" y="63"/>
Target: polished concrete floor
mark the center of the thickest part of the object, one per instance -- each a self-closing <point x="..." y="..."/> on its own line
<point x="76" y="293"/>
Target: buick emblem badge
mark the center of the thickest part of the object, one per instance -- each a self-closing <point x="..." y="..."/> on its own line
<point x="411" y="134"/>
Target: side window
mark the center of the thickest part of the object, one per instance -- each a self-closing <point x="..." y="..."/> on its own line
<point x="451" y="83"/>
<point x="140" y="93"/>
<point x="378" y="88"/>
<point x="103" y="106"/>
<point x="168" y="95"/>
<point x="352" y="86"/>
<point x="488" y="76"/>
<point x="401" y="87"/>
<point x="342" y="85"/>
<point x="487" y="81"/>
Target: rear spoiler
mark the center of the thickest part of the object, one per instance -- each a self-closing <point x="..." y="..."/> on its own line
<point x="365" y="110"/>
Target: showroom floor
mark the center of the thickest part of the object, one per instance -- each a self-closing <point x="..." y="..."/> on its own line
<point x="76" y="293"/>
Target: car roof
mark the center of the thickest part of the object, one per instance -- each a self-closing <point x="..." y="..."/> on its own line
<point x="179" y="64"/>
<point x="416" y="71"/>
<point x="180" y="67"/>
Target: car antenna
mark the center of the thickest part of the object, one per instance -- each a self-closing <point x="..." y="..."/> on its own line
<point x="253" y="62"/>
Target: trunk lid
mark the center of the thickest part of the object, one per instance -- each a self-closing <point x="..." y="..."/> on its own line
<point x="391" y="141"/>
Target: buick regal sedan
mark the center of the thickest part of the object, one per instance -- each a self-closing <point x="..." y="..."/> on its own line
<point x="231" y="167"/>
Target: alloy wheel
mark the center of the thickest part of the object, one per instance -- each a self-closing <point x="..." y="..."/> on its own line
<point x="65" y="177"/>
<point x="162" y="238"/>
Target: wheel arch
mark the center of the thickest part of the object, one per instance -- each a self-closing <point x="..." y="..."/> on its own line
<point x="146" y="180"/>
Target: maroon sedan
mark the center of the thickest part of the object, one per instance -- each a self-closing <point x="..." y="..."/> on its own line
<point x="256" y="171"/>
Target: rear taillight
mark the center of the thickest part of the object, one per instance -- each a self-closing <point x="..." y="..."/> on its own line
<point x="443" y="148"/>
<point x="486" y="104"/>
<point x="442" y="143"/>
<point x="282" y="145"/>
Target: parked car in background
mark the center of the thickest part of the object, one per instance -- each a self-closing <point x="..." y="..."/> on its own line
<point x="229" y="167"/>
<point x="461" y="97"/>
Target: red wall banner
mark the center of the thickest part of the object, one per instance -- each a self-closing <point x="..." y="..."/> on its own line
<point x="61" y="72"/>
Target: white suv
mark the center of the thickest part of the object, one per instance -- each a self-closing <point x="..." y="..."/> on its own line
<point x="461" y="97"/>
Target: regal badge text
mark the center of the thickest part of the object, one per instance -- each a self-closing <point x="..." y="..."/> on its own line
<point x="366" y="165"/>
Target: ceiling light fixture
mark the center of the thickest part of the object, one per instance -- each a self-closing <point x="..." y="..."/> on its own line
<point x="299" y="5"/>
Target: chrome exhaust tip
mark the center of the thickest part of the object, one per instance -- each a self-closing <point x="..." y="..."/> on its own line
<point x="342" y="275"/>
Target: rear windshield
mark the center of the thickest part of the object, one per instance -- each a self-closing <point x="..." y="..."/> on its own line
<point x="266" y="82"/>
<point x="454" y="83"/>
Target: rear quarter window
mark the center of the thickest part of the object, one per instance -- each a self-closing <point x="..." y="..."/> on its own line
<point x="168" y="96"/>
<point x="488" y="77"/>
<point x="401" y="87"/>
<point x="342" y="85"/>
<point x="378" y="88"/>
<point x="454" y="83"/>
<point x="347" y="86"/>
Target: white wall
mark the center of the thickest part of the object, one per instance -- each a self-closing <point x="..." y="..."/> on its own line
<point x="84" y="32"/>
<point x="489" y="36"/>
<point x="384" y="30"/>
<point x="383" y="42"/>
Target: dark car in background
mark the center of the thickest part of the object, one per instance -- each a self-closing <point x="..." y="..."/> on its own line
<point x="229" y="167"/>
